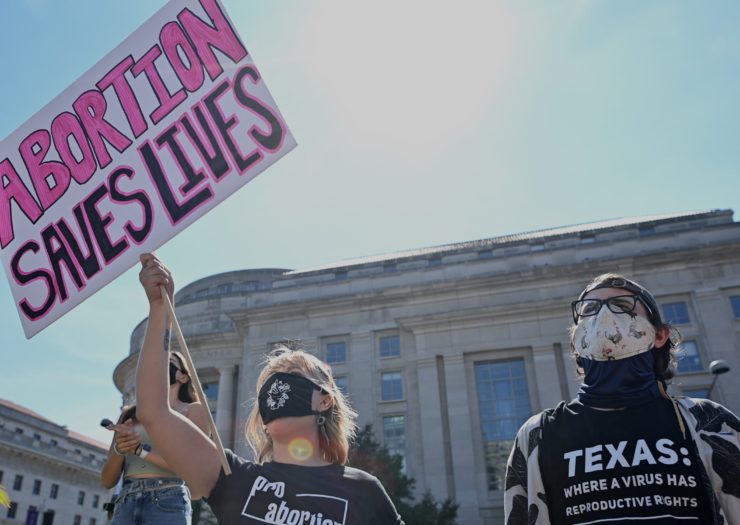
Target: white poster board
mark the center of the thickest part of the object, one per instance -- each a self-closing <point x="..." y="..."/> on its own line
<point x="157" y="133"/>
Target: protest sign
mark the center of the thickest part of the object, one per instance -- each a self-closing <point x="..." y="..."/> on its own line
<point x="161" y="130"/>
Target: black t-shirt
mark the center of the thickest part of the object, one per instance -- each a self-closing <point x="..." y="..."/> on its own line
<point x="613" y="466"/>
<point x="279" y="493"/>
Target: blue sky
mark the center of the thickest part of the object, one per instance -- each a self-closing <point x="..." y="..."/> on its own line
<point x="419" y="123"/>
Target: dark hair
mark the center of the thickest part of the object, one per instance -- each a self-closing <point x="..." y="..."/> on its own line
<point x="665" y="356"/>
<point x="128" y="412"/>
<point x="186" y="393"/>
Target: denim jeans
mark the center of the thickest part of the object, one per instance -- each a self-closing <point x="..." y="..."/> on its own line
<point x="153" y="501"/>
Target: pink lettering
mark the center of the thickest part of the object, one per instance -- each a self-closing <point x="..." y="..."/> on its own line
<point x="167" y="102"/>
<point x="13" y="189"/>
<point x="173" y="41"/>
<point x="50" y="179"/>
<point x="90" y="108"/>
<point x="205" y="37"/>
<point x="116" y="78"/>
<point x="66" y="126"/>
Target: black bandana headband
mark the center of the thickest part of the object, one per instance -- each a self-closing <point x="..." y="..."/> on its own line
<point x="645" y="297"/>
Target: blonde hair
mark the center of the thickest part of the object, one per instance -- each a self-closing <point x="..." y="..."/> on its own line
<point x="340" y="418"/>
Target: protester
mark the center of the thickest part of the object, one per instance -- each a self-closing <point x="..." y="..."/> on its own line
<point x="624" y="450"/>
<point x="151" y="493"/>
<point x="300" y="432"/>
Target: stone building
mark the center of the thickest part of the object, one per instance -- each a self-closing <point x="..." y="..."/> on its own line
<point x="447" y="350"/>
<point x="51" y="474"/>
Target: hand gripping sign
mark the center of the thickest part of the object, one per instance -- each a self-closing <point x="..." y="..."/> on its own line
<point x="157" y="133"/>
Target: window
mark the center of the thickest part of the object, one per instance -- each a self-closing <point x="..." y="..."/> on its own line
<point x="696" y="392"/>
<point x="78" y="520"/>
<point x="211" y="390"/>
<point x="689" y="359"/>
<point x="54" y="491"/>
<point x="341" y="382"/>
<point x="390" y="346"/>
<point x="676" y="313"/>
<point x="91" y="522"/>
<point x="81" y="497"/>
<point x="96" y="501"/>
<point x="223" y="288"/>
<point x="19" y="430"/>
<point x="735" y="302"/>
<point x="394" y="436"/>
<point x="1" y="476"/>
<point x="13" y="509"/>
<point x="503" y="403"/>
<point x="336" y="353"/>
<point x="18" y="482"/>
<point x="587" y="238"/>
<point x="37" y="436"/>
<point x="53" y="443"/>
<point x="392" y="386"/>
<point x="36" y="487"/>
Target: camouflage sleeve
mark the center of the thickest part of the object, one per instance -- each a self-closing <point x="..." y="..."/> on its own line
<point x="716" y="432"/>
<point x="524" y="495"/>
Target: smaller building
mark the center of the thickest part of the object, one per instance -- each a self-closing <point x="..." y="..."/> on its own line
<point x="51" y="474"/>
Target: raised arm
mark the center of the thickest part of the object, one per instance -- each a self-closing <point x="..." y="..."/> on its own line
<point x="186" y="449"/>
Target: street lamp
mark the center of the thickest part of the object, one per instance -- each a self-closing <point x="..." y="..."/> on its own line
<point x="717" y="368"/>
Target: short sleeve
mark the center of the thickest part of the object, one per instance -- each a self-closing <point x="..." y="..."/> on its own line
<point x="385" y="512"/>
<point x="227" y="488"/>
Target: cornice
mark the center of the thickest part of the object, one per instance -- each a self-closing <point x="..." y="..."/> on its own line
<point x="50" y="459"/>
<point x="202" y="356"/>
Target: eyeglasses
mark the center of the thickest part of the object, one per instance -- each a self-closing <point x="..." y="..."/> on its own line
<point x="173" y="365"/>
<point x="620" y="304"/>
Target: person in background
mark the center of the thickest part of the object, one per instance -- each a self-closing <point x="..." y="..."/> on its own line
<point x="300" y="431"/>
<point x="151" y="493"/>
<point x="624" y="450"/>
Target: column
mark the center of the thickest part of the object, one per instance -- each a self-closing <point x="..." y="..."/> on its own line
<point x="548" y="380"/>
<point x="466" y="472"/>
<point x="225" y="405"/>
<point x="438" y="480"/>
<point x="716" y="325"/>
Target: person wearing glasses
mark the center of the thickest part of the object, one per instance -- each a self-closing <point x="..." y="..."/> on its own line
<point x="624" y="450"/>
<point x="151" y="493"/>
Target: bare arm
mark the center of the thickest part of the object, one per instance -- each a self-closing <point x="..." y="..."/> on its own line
<point x="124" y="441"/>
<point x="156" y="459"/>
<point x="186" y="449"/>
<point x="197" y="414"/>
<point x="112" y="469"/>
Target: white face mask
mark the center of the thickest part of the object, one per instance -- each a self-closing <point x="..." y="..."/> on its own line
<point x="607" y="336"/>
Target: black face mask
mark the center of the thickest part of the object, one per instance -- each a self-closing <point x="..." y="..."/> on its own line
<point x="173" y="373"/>
<point x="286" y="395"/>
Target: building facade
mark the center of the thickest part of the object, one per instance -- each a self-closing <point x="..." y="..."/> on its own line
<point x="447" y="350"/>
<point x="51" y="474"/>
